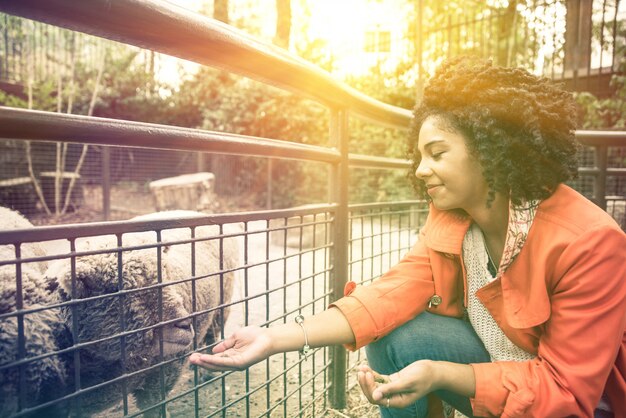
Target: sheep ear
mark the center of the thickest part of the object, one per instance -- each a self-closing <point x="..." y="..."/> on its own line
<point x="95" y="275"/>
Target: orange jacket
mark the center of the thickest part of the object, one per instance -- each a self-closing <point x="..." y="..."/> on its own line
<point x="563" y="298"/>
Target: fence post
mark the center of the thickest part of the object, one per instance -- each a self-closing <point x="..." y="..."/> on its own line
<point x="106" y="183"/>
<point x="340" y="173"/>
<point x="599" y="187"/>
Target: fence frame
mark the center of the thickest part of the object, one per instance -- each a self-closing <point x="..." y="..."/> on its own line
<point x="208" y="42"/>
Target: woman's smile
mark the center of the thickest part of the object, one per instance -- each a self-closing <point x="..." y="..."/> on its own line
<point x="452" y="176"/>
<point x="433" y="188"/>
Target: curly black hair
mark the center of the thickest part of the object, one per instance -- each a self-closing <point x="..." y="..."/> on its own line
<point x="519" y="126"/>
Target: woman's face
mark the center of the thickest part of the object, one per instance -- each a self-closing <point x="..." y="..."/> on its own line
<point x="453" y="177"/>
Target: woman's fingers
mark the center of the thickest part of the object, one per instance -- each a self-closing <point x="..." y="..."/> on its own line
<point x="366" y="381"/>
<point x="369" y="382"/>
<point x="219" y="361"/>
<point x="380" y="378"/>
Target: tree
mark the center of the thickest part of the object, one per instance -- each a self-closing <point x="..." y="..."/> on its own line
<point x="67" y="93"/>
<point x="220" y="10"/>
<point x="283" y="23"/>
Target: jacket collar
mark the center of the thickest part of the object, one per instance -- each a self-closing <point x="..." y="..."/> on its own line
<point x="526" y="301"/>
<point x="444" y="230"/>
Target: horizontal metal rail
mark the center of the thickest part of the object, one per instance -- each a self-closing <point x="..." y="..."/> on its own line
<point x="57" y="127"/>
<point x="69" y="231"/>
<point x="605" y="137"/>
<point x="175" y="31"/>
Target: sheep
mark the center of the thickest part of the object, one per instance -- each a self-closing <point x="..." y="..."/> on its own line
<point x="42" y="330"/>
<point x="96" y="319"/>
<point x="95" y="311"/>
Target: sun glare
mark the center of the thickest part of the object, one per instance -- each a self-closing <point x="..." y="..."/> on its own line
<point x="339" y="22"/>
<point x="359" y="32"/>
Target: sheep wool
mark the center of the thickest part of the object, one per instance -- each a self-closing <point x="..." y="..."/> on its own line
<point x="42" y="330"/>
<point x="150" y="294"/>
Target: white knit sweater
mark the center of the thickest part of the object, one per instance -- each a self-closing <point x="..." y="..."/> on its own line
<point x="499" y="347"/>
<point x="495" y="341"/>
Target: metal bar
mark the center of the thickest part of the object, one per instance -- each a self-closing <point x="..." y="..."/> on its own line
<point x="599" y="187"/>
<point x="339" y="137"/>
<point x="596" y="138"/>
<point x="121" y="301"/>
<point x="173" y="30"/>
<point x="610" y="171"/>
<point x="106" y="183"/>
<point x="368" y="161"/>
<point x="270" y="191"/>
<point x="51" y="126"/>
<point x="47" y="233"/>
<point x="75" y="402"/>
<point x="377" y="205"/>
<point x="21" y="337"/>
<point x="246" y="302"/>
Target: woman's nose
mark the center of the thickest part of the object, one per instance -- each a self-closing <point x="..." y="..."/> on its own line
<point x="423" y="170"/>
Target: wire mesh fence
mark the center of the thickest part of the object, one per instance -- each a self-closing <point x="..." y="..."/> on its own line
<point x="125" y="303"/>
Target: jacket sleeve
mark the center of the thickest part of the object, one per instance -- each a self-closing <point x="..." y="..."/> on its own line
<point x="580" y="341"/>
<point x="391" y="300"/>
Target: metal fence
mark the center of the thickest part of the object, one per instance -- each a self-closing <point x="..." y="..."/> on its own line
<point x="579" y="42"/>
<point x="101" y="314"/>
<point x="125" y="362"/>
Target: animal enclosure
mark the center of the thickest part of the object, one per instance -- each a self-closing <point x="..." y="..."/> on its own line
<point x="127" y="297"/>
<point x="124" y="297"/>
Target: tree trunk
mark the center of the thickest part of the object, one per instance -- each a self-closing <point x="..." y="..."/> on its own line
<point x="283" y="23"/>
<point x="220" y="10"/>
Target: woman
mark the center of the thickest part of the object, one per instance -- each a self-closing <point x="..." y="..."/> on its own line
<point x="512" y="303"/>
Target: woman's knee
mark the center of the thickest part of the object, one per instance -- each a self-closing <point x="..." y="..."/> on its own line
<point x="402" y="346"/>
<point x="427" y="336"/>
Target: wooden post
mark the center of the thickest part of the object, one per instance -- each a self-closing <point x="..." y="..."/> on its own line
<point x="186" y="192"/>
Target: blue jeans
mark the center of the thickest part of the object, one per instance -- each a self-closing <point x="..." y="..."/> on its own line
<point x="433" y="337"/>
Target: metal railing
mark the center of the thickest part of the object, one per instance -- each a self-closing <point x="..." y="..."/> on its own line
<point x="205" y="41"/>
<point x="577" y="42"/>
<point x="351" y="240"/>
<point x="601" y="141"/>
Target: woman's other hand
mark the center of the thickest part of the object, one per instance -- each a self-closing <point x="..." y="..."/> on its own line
<point x="400" y="389"/>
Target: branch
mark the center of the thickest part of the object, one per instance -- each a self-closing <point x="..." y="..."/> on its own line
<point x="83" y="154"/>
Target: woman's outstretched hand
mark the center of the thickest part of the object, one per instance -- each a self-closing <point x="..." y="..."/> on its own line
<point x="397" y="390"/>
<point x="245" y="347"/>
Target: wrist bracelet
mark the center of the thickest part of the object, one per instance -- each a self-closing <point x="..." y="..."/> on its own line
<point x="307" y="348"/>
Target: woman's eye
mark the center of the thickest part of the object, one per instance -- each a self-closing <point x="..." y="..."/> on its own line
<point x="437" y="155"/>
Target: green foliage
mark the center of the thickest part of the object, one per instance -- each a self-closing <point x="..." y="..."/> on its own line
<point x="215" y="100"/>
<point x="609" y="112"/>
<point x="43" y="95"/>
<point x="218" y="101"/>
<point x="370" y="139"/>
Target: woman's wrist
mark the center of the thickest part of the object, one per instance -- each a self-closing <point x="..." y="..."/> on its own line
<point x="454" y="377"/>
<point x="285" y="337"/>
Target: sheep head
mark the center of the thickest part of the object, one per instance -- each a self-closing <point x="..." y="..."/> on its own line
<point x="107" y="304"/>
